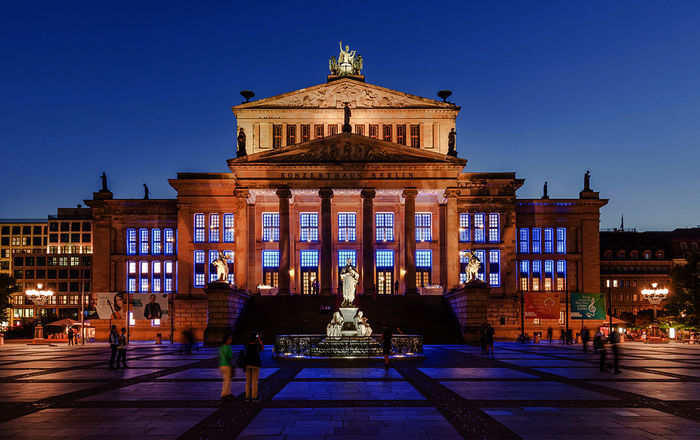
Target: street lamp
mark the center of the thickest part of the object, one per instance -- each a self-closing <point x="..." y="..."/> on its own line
<point x="655" y="296"/>
<point x="39" y="298"/>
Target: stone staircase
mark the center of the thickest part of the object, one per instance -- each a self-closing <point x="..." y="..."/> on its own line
<point x="429" y="316"/>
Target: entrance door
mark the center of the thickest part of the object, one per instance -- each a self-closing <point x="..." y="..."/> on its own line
<point x="307" y="279"/>
<point x="385" y="281"/>
<point x="271" y="278"/>
<point x="422" y="277"/>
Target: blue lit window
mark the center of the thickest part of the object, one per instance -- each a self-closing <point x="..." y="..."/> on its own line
<point x="199" y="228"/>
<point x="463" y="260"/>
<point x="536" y="240"/>
<point x="561" y="275"/>
<point x="231" y="279"/>
<point x="524" y="275"/>
<point x="548" y="274"/>
<point x="548" y="240"/>
<point x="228" y="228"/>
<point x="464" y="228"/>
<point x="157" y="276"/>
<point x="214" y="226"/>
<point x="271" y="258"/>
<point x="199" y="274"/>
<point x="346" y="226"/>
<point x="169" y="276"/>
<point x="131" y="274"/>
<point x="309" y="226"/>
<point x="424" y="259"/>
<point x="271" y="226"/>
<point x="536" y="274"/>
<point x="131" y="241"/>
<point x="494" y="268"/>
<point x="343" y="256"/>
<point x="143" y="241"/>
<point x="561" y="240"/>
<point x="479" y="224"/>
<point x="385" y="258"/>
<point x="384" y="226"/>
<point x="213" y="255"/>
<point x="157" y="241"/>
<point x="143" y="277"/>
<point x="308" y="259"/>
<point x="424" y="227"/>
<point x="481" y="255"/>
<point x="524" y="241"/>
<point x="494" y="226"/>
<point x="169" y="241"/>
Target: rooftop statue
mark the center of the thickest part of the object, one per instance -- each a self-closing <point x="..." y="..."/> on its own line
<point x="348" y="62"/>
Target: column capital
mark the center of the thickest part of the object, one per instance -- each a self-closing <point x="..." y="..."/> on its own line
<point x="368" y="193"/>
<point x="452" y="192"/>
<point x="284" y="193"/>
<point x="409" y="193"/>
<point x="325" y="193"/>
<point x="241" y="192"/>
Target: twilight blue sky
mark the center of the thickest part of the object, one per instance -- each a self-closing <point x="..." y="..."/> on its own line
<point x="143" y="90"/>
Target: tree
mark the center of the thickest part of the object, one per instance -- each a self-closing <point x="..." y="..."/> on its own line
<point x="7" y="286"/>
<point x="684" y="301"/>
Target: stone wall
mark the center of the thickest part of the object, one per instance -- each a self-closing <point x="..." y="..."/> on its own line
<point x="225" y="305"/>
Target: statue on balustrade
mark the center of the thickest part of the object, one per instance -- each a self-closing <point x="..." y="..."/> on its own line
<point x="221" y="265"/>
<point x="473" y="265"/>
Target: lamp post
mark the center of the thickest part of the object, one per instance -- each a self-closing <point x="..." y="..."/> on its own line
<point x="655" y="296"/>
<point x="39" y="298"/>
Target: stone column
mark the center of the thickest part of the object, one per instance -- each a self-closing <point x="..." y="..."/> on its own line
<point x="326" y="195"/>
<point x="367" y="195"/>
<point x="409" y="233"/>
<point x="452" y="226"/>
<point x="284" y="194"/>
<point x="241" y="237"/>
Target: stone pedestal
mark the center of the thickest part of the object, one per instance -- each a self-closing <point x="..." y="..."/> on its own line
<point x="470" y="306"/>
<point x="38" y="335"/>
<point x="348" y="314"/>
<point x="224" y="304"/>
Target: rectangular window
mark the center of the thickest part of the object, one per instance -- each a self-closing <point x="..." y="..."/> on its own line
<point x="561" y="275"/>
<point x="536" y="240"/>
<point x="481" y="274"/>
<point x="276" y="136"/>
<point x="305" y="132"/>
<point x="424" y="267"/>
<point x="309" y="259"/>
<point x="401" y="134"/>
<point x="524" y="240"/>
<point x="157" y="276"/>
<point x="548" y="275"/>
<point x="143" y="241"/>
<point x="231" y="278"/>
<point x="318" y="131"/>
<point x="271" y="262"/>
<point x="494" y="268"/>
<point x="169" y="241"/>
<point x="169" y="276"/>
<point x="524" y="275"/>
<point x="199" y="228"/>
<point x="271" y="226"/>
<point x="271" y="259"/>
<point x="464" y="236"/>
<point x="143" y="277"/>
<point x="561" y="240"/>
<point x="228" y="228"/>
<point x="346" y="226"/>
<point x="479" y="224"/>
<point x="385" y="258"/>
<point x="332" y="129"/>
<point x="384" y="226"/>
<point x="213" y="255"/>
<point x="344" y="255"/>
<point x="494" y="228"/>
<point x="386" y="133"/>
<point x="214" y="228"/>
<point x="360" y="129"/>
<point x="374" y="131"/>
<point x="415" y="135"/>
<point x="157" y="241"/>
<point x="291" y="134"/>
<point x="536" y="275"/>
<point x="309" y="226"/>
<point x="424" y="227"/>
<point x="199" y="272"/>
<point x="131" y="241"/>
<point x="548" y="240"/>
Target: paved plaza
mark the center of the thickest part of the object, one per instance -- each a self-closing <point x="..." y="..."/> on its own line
<point x="533" y="391"/>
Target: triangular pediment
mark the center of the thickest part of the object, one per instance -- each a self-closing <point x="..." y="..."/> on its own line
<point x="347" y="148"/>
<point x="336" y="93"/>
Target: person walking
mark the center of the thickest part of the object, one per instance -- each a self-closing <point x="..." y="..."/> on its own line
<point x="482" y="339"/>
<point x="70" y="336"/>
<point x="490" y="333"/>
<point x="225" y="365"/>
<point x="386" y="343"/>
<point x="113" y="344"/>
<point x="121" y="349"/>
<point x="603" y="352"/>
<point x="614" y="344"/>
<point x="585" y="337"/>
<point x="549" y="335"/>
<point x="252" y="366"/>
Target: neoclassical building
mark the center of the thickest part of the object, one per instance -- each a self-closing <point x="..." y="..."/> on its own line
<point x="345" y="170"/>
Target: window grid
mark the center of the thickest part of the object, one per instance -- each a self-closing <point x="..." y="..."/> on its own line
<point x="536" y="240"/>
<point x="271" y="258"/>
<point x="143" y="277"/>
<point x="401" y="134"/>
<point x="561" y="275"/>
<point x="464" y="228"/>
<point x="479" y="223"/>
<point x="271" y="227"/>
<point x="343" y="256"/>
<point x="213" y="255"/>
<point x="214" y="224"/>
<point x="374" y="131"/>
<point x="548" y="240"/>
<point x="360" y="129"/>
<point x="131" y="241"/>
<point x="386" y="133"/>
<point x="169" y="241"/>
<point x="276" y="136"/>
<point x="524" y="241"/>
<point x="143" y="241"/>
<point x="561" y="240"/>
<point x="524" y="274"/>
<point x="332" y="129"/>
<point x="423" y="227"/>
<point x="424" y="258"/>
<point x="481" y="255"/>
<point x="305" y="132"/>
<point x="318" y="131"/>
<point x="384" y="226"/>
<point x="536" y="274"/>
<point x="494" y="226"/>
<point x="415" y="135"/>
<point x="309" y="226"/>
<point x="231" y="278"/>
<point x="385" y="258"/>
<point x="157" y="241"/>
<point x="228" y="228"/>
<point x="199" y="228"/>
<point x="346" y="226"/>
<point x="199" y="276"/>
<point x="291" y="134"/>
<point x="309" y="259"/>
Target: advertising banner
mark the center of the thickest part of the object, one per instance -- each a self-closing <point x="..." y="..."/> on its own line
<point x="149" y="305"/>
<point x="110" y="305"/>
<point x="587" y="305"/>
<point x="542" y="305"/>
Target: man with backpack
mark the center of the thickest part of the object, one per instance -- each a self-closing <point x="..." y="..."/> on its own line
<point x="113" y="344"/>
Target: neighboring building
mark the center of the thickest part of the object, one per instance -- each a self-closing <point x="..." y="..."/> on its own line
<point x="376" y="183"/>
<point x="20" y="236"/>
<point x="631" y="261"/>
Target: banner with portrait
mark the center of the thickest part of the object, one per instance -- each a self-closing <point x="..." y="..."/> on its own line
<point x="109" y="305"/>
<point x="587" y="305"/>
<point x="149" y="305"/>
<point x="544" y="305"/>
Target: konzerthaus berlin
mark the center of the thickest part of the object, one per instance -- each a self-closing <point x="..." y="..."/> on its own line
<point x="344" y="170"/>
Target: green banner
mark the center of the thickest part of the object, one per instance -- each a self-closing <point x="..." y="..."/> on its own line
<point x="587" y="305"/>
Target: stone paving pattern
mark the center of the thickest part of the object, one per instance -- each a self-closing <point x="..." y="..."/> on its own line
<point x="534" y="391"/>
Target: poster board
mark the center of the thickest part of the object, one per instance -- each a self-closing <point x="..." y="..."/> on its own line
<point x="587" y="305"/>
